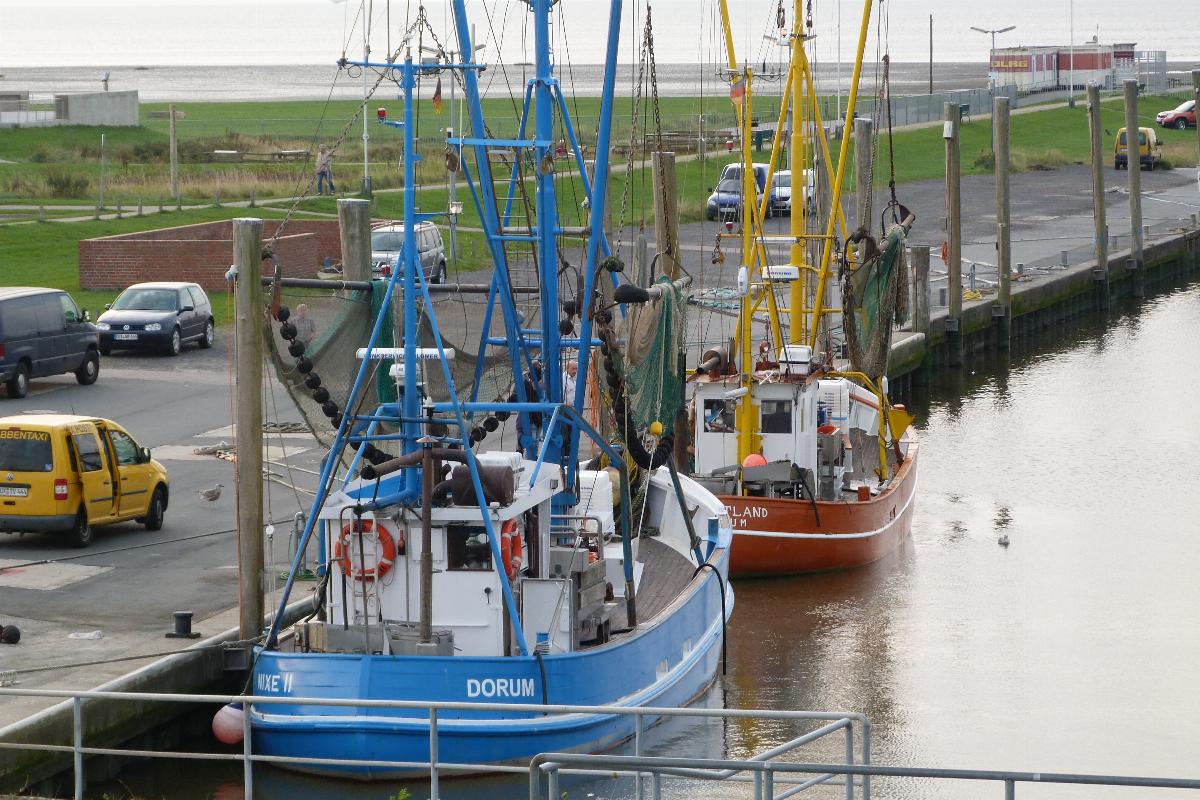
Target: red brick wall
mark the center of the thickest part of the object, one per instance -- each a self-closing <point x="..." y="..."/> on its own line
<point x="200" y="253"/>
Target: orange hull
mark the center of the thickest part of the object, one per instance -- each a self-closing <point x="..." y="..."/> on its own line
<point x="781" y="536"/>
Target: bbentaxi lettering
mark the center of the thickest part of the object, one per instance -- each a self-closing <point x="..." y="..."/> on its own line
<point x="29" y="436"/>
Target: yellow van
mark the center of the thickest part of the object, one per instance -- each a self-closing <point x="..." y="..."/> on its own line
<point x="1149" y="149"/>
<point x="65" y="473"/>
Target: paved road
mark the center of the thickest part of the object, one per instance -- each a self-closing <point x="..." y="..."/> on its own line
<point x="171" y="405"/>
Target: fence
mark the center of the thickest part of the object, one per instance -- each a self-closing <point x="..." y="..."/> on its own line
<point x="846" y="723"/>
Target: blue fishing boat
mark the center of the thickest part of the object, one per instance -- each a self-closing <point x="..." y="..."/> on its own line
<point x="455" y="572"/>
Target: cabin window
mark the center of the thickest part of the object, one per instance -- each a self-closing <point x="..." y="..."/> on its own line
<point x="467" y="548"/>
<point x="718" y="416"/>
<point x="776" y="416"/>
<point x="89" y="452"/>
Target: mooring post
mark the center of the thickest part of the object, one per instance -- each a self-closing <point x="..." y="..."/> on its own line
<point x="953" y="235"/>
<point x="354" y="222"/>
<point x="919" y="259"/>
<point x="1003" y="308"/>
<point x="1196" y="93"/>
<point x="248" y="298"/>
<point x="1098" y="210"/>
<point x="863" y="155"/>
<point x="1133" y="165"/>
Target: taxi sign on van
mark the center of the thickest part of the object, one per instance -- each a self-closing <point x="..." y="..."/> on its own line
<point x="29" y="436"/>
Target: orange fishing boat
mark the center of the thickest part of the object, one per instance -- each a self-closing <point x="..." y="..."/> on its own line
<point x="817" y="469"/>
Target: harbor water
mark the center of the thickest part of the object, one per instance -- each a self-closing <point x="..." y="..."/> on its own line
<point x="1074" y="649"/>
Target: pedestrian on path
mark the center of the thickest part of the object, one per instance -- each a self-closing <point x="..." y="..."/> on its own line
<point x="324" y="170"/>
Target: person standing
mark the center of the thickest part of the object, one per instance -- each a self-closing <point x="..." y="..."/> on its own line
<point x="569" y="377"/>
<point x="306" y="329"/>
<point x="324" y="170"/>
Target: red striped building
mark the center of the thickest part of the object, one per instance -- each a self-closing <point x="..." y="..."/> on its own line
<point x="1039" y="69"/>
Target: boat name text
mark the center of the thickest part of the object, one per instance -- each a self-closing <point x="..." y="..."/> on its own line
<point x="274" y="683"/>
<point x="500" y="687"/>
<point x="740" y="516"/>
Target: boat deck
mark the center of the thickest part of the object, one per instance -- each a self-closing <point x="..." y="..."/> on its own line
<point x="666" y="574"/>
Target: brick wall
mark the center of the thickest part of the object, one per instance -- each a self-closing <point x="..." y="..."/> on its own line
<point x="200" y="253"/>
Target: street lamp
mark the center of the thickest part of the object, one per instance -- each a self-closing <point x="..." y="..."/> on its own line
<point x="991" y="73"/>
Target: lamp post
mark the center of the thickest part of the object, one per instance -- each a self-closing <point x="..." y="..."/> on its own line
<point x="991" y="73"/>
<point x="1071" y="59"/>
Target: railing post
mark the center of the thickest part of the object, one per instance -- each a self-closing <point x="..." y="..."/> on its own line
<point x="758" y="785"/>
<point x="769" y="783"/>
<point x="552" y="782"/>
<point x="849" y="759"/>
<point x="656" y="786"/>
<point x="247" y="752"/>
<point x="866" y="750"/>
<point x="77" y="743"/>
<point x="433" y="755"/>
<point x="637" y="752"/>
<point x="1010" y="789"/>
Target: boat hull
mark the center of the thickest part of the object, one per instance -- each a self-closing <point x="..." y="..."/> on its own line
<point x="649" y="667"/>
<point x="775" y="536"/>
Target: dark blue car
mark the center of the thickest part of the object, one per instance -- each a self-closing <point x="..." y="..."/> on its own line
<point x="160" y="316"/>
<point x="725" y="202"/>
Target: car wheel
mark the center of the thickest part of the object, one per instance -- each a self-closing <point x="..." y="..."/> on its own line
<point x="81" y="533"/>
<point x="1181" y="124"/>
<point x="210" y="335"/>
<point x="18" y="384"/>
<point x="155" y="511"/>
<point x="440" y="276"/>
<point x="174" y="344"/>
<point x="89" y="370"/>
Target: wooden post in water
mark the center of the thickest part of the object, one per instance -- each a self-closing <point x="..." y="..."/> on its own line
<point x="1099" y="213"/>
<point x="666" y="213"/>
<point x="1133" y="165"/>
<point x="1003" y="308"/>
<point x="247" y="257"/>
<point x="863" y="154"/>
<point x="953" y="234"/>
<point x="174" y="154"/>
<point x="919" y="259"/>
<point x="354" y="221"/>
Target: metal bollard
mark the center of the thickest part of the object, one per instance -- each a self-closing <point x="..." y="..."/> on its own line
<point x="943" y="297"/>
<point x="1065" y="260"/>
<point x="971" y="278"/>
<point x="1020" y="267"/>
<point x="183" y="626"/>
<point x="1145" y="232"/>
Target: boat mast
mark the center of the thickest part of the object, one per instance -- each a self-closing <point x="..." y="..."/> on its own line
<point x="799" y="163"/>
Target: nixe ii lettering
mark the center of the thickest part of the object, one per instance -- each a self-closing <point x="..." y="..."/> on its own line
<point x="268" y="682"/>
<point x="500" y="687"/>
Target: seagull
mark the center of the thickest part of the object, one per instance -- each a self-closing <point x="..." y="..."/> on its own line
<point x="1003" y="540"/>
<point x="211" y="494"/>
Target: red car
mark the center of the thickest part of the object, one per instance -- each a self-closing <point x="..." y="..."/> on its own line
<point x="1182" y="117"/>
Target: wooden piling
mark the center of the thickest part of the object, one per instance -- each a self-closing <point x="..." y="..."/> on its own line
<point x="950" y="133"/>
<point x="666" y="213"/>
<point x="1133" y="165"/>
<point x="354" y="221"/>
<point x="248" y="299"/>
<point x="1002" y="310"/>
<point x="864" y="152"/>
<point x="1098" y="213"/>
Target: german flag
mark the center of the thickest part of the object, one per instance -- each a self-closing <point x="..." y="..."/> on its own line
<point x="737" y="91"/>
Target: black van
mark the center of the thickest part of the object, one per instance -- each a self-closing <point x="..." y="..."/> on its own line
<point x="43" y="332"/>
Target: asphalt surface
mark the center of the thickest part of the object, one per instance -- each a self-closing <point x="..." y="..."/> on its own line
<point x="130" y="581"/>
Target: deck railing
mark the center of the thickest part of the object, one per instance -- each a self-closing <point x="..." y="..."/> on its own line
<point x="853" y="727"/>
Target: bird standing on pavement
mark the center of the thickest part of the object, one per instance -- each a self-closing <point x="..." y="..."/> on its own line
<point x="211" y="494"/>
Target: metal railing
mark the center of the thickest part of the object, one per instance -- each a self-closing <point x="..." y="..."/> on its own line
<point x="644" y="717"/>
<point x="765" y="774"/>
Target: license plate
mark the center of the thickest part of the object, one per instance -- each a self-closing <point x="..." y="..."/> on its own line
<point x="14" y="491"/>
<point x="125" y="337"/>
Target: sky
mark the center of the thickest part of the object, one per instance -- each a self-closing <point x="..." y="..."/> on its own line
<point x="154" y="32"/>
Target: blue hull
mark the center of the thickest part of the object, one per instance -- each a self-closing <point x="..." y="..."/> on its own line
<point x="667" y="663"/>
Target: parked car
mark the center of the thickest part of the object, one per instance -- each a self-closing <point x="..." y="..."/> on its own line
<point x="1149" y="149"/>
<point x="725" y="202"/>
<point x="1182" y="117"/>
<point x="780" y="202"/>
<point x="162" y="316"/>
<point x="43" y="332"/>
<point x="61" y="473"/>
<point x="387" y="242"/>
<point x="734" y="172"/>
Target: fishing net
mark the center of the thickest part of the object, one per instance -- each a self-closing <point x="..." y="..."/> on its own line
<point x="333" y="324"/>
<point x="873" y="296"/>
<point x="654" y="369"/>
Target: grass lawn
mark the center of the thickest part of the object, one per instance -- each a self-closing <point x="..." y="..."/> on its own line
<point x="47" y="254"/>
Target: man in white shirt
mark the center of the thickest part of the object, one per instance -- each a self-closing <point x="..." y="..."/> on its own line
<point x="570" y="371"/>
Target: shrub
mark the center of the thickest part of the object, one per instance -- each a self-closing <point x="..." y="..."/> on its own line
<point x="41" y="155"/>
<point x="62" y="183"/>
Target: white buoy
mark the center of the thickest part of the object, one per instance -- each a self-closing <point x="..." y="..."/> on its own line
<point x="227" y="723"/>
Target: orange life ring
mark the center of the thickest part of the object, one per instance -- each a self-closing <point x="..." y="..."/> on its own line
<point x="511" y="549"/>
<point x="387" y="544"/>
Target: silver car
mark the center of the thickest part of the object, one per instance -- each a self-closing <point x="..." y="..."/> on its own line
<point x="387" y="244"/>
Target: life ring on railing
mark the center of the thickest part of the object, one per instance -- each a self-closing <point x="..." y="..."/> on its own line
<point x="387" y="545"/>
<point x="511" y="549"/>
